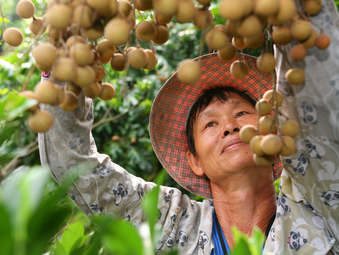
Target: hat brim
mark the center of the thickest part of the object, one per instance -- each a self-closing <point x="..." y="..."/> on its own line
<point x="170" y="108"/>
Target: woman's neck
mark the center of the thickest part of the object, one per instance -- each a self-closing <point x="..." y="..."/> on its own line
<point x="244" y="202"/>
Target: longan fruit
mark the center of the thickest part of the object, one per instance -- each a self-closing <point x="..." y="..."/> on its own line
<point x="30" y="95"/>
<point x="298" y="52"/>
<point x="40" y="121"/>
<point x="239" y="69"/>
<point x="289" y="146"/>
<point x="290" y="128"/>
<point x="322" y="41"/>
<point x="13" y="36"/>
<point x="268" y="95"/>
<point x="25" y="9"/>
<point x="188" y="71"/>
<point x="70" y="102"/>
<point x="271" y="144"/>
<point x="295" y="76"/>
<point x="266" y="62"/>
<point x="263" y="107"/>
<point x="255" y="145"/>
<point x="107" y="91"/>
<point x="247" y="132"/>
<point x="267" y="125"/>
<point x="263" y="161"/>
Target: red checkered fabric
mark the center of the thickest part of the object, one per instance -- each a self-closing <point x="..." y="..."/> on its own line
<point x="170" y="108"/>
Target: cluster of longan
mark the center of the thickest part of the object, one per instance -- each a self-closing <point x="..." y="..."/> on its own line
<point x="76" y="37"/>
<point x="249" y="23"/>
<point x="264" y="140"/>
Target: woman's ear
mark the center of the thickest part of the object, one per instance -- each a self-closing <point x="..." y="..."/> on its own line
<point x="193" y="161"/>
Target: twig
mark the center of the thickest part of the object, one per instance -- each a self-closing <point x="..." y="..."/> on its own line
<point x="24" y="86"/>
<point x="11" y="165"/>
<point x="105" y="120"/>
<point x="3" y="18"/>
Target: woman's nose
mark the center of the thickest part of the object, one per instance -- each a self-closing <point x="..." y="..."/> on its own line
<point x="230" y="128"/>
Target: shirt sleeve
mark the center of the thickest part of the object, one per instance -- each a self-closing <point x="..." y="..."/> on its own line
<point x="100" y="186"/>
<point x="308" y="206"/>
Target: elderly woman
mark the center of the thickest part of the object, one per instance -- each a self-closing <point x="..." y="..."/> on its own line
<point x="195" y="134"/>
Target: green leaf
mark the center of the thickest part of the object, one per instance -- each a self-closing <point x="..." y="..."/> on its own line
<point x="72" y="237"/>
<point x="12" y="105"/>
<point x="120" y="237"/>
<point x="161" y="177"/>
<point x="6" y="231"/>
<point x="59" y="249"/>
<point x="8" y="130"/>
<point x="150" y="206"/>
<point x="4" y="19"/>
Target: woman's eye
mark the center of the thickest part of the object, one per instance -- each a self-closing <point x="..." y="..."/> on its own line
<point x="241" y="113"/>
<point x="210" y="124"/>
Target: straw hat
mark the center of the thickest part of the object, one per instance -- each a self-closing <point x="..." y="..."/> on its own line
<point x="171" y="106"/>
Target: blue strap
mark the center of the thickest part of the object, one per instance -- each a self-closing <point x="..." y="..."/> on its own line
<point x="220" y="244"/>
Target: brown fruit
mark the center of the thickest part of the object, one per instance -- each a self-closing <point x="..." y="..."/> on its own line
<point x="165" y="8"/>
<point x="59" y="94"/>
<point x="85" y="76"/>
<point x="25" y="9"/>
<point x="81" y="53"/>
<point x="73" y="39"/>
<point x="216" y="38"/>
<point x="143" y="5"/>
<point x="310" y="42"/>
<point x="298" y="52"/>
<point x="227" y="53"/>
<point x="95" y="32"/>
<point x="59" y="16"/>
<point x="124" y="7"/>
<point x="162" y="19"/>
<point x="271" y="144"/>
<point x="151" y="60"/>
<point x="255" y="41"/>
<point x="137" y="58"/>
<point x="45" y="92"/>
<point x="301" y="30"/>
<point x="117" y="31"/>
<point x="266" y="8"/>
<point x="289" y="146"/>
<point x="64" y="69"/>
<point x="281" y="35"/>
<point x="263" y="107"/>
<point x="255" y="145"/>
<point x="263" y="161"/>
<point x="230" y="9"/>
<point x="232" y="28"/>
<point x="40" y="121"/>
<point x="83" y="15"/>
<point x="36" y="26"/>
<point x="30" y="95"/>
<point x="267" y="125"/>
<point x="249" y="26"/>
<point x="247" y="132"/>
<point x="145" y="30"/>
<point x="204" y="2"/>
<point x="290" y="128"/>
<point x="107" y="91"/>
<point x="108" y="8"/>
<point x="266" y="62"/>
<point x="161" y="34"/>
<point x="13" y="36"/>
<point x="73" y="88"/>
<point x="322" y="41"/>
<point x="239" y="69"/>
<point x="185" y="11"/>
<point x="105" y="48"/>
<point x="287" y="10"/>
<point x="99" y="72"/>
<point x="238" y="43"/>
<point x="268" y="95"/>
<point x="295" y="76"/>
<point x="118" y="62"/>
<point x="312" y="7"/>
<point x="70" y="102"/>
<point x="44" y="54"/>
<point x="92" y="91"/>
<point x="188" y="71"/>
<point x="202" y="18"/>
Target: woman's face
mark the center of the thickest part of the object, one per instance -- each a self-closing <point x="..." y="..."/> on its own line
<point x="220" y="151"/>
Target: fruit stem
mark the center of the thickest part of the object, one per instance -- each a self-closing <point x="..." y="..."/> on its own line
<point x="24" y="86"/>
<point x="3" y="20"/>
<point x="275" y="104"/>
